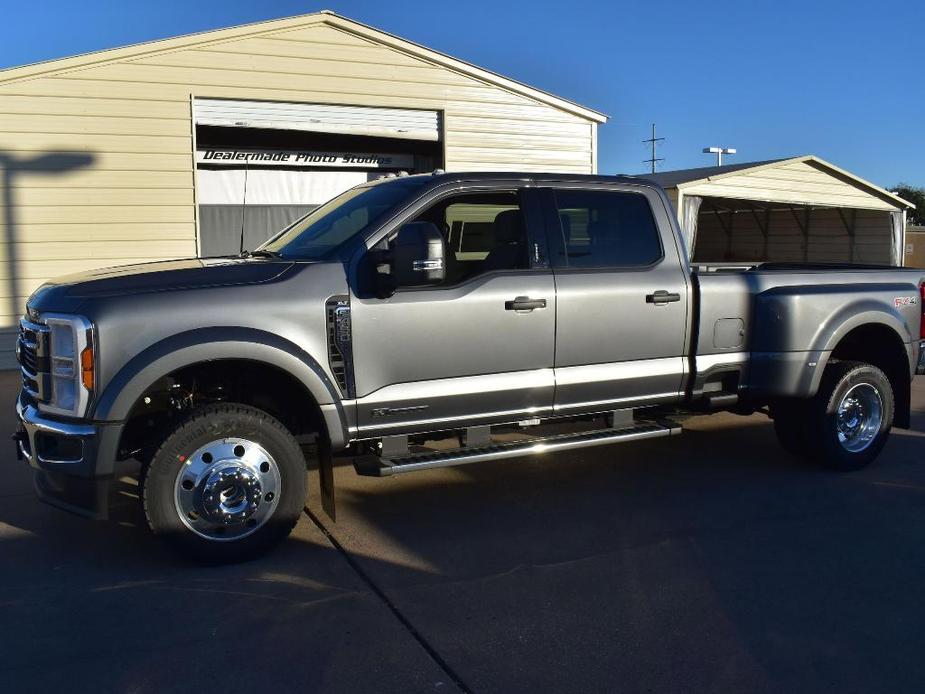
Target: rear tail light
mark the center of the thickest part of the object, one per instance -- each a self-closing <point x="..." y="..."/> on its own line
<point x="922" y="307"/>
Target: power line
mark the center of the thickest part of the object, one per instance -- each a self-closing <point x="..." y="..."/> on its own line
<point x="654" y="142"/>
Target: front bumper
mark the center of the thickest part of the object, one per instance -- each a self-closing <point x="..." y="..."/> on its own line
<point x="73" y="461"/>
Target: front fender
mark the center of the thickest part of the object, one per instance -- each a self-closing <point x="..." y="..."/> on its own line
<point x="209" y="344"/>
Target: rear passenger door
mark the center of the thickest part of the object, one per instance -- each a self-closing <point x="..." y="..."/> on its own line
<point x="622" y="308"/>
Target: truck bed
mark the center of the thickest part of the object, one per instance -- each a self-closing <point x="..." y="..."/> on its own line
<point x="773" y="327"/>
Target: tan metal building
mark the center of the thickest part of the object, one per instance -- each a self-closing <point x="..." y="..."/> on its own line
<point x="915" y="247"/>
<point x="798" y="209"/>
<point x="210" y="142"/>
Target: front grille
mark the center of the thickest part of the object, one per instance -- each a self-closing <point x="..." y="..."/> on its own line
<point x="28" y="358"/>
<point x="32" y="352"/>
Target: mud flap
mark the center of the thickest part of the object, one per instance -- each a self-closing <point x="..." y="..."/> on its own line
<point x="326" y="477"/>
<point x="317" y="448"/>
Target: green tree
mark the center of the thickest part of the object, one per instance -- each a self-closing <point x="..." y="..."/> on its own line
<point x="917" y="197"/>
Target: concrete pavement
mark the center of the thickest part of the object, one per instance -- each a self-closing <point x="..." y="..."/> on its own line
<point x="706" y="562"/>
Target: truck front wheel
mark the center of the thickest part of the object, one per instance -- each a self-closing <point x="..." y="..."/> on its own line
<point x="226" y="485"/>
<point x="845" y="426"/>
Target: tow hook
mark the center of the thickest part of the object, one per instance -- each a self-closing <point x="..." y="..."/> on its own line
<point x="20" y="438"/>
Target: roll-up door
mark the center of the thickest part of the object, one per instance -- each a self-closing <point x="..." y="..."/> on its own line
<point x="400" y="123"/>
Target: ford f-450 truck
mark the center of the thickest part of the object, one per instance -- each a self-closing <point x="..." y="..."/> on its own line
<point x="434" y="320"/>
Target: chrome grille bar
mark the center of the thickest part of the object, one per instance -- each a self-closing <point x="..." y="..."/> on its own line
<point x="33" y="357"/>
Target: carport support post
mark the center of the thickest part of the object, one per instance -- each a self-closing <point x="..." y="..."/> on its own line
<point x="804" y="227"/>
<point x="849" y="227"/>
<point x="808" y="214"/>
<point x="726" y="228"/>
<point x="765" y="227"/>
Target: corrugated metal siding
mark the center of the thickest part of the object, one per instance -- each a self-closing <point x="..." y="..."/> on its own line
<point x="828" y="239"/>
<point x="98" y="160"/>
<point x="796" y="182"/>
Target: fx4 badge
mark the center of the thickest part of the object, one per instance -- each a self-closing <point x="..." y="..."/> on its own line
<point x="901" y="301"/>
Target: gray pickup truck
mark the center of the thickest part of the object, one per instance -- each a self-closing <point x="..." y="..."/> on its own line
<point x="435" y="320"/>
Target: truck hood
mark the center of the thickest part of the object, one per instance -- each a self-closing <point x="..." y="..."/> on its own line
<point x="66" y="293"/>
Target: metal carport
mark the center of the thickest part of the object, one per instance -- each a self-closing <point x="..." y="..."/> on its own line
<point x="801" y="209"/>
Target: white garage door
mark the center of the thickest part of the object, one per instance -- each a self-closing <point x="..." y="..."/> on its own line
<point x="402" y="123"/>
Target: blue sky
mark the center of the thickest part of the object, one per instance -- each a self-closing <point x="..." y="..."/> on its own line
<point x="842" y="80"/>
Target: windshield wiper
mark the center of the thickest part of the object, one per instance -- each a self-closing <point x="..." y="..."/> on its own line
<point x="260" y="253"/>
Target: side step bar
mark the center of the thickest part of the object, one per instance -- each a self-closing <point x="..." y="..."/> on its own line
<point x="376" y="466"/>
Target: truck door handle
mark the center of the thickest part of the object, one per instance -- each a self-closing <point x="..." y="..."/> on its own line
<point x="662" y="297"/>
<point x="524" y="303"/>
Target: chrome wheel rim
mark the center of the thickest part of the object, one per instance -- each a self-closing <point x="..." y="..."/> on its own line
<point x="859" y="417"/>
<point x="227" y="489"/>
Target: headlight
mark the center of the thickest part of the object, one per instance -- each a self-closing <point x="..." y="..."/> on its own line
<point x="72" y="363"/>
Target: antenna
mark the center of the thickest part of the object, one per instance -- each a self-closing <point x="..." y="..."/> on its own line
<point x="654" y="142"/>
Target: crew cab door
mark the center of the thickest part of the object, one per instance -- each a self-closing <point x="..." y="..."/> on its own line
<point x="622" y="310"/>
<point x="479" y="347"/>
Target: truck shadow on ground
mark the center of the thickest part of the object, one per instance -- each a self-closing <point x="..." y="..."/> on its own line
<point x="710" y="477"/>
<point x="105" y="603"/>
<point x="710" y="560"/>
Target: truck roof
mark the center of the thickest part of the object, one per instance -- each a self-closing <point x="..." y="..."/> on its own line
<point x="440" y="177"/>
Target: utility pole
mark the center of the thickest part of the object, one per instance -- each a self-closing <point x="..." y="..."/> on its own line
<point x="719" y="152"/>
<point x="654" y="142"/>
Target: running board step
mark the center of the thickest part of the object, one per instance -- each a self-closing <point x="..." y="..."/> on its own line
<point x="376" y="466"/>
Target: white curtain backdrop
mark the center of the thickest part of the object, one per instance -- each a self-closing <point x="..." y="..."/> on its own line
<point x="691" y="205"/>
<point x="222" y="187"/>
<point x="239" y="209"/>
<point x="896" y="251"/>
<point x="269" y="187"/>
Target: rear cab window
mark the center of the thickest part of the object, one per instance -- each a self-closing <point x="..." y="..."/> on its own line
<point x="604" y="229"/>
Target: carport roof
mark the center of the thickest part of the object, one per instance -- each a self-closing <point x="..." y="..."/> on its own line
<point x="688" y="177"/>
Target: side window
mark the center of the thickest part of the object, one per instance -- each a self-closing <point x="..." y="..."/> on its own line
<point x="484" y="232"/>
<point x="602" y="228"/>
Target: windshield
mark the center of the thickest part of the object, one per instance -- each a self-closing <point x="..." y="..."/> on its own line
<point x="327" y="227"/>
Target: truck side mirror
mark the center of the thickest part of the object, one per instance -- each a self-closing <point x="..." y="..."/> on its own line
<point x="418" y="255"/>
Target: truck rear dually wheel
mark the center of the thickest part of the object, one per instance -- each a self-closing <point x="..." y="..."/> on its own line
<point x="227" y="484"/>
<point x="845" y="426"/>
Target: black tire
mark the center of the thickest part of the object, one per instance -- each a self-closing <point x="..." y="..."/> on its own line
<point x="203" y="427"/>
<point x="822" y="442"/>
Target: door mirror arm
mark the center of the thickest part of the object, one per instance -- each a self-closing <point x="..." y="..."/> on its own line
<point x="380" y="264"/>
